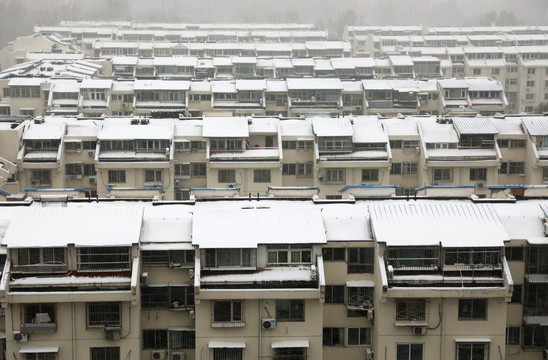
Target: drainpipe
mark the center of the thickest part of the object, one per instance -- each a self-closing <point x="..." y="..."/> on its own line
<point x="260" y="329"/>
<point x="73" y="331"/>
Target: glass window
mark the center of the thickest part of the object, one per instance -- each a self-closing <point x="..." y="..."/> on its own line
<point x="101" y="314"/>
<point x="472" y="351"/>
<point x="334" y="254"/>
<point x="227" y="311"/>
<point x="333" y="336"/>
<point x="478" y="174"/>
<point x="154" y="339"/>
<point x="290" y="310"/>
<point x="409" y="351"/>
<point x="370" y="175"/>
<point x="512" y="335"/>
<point x="472" y="309"/>
<point x="105" y="353"/>
<point x="226" y="176"/>
<point x="261" y="175"/>
<point x="359" y="336"/>
<point x="360" y="260"/>
<point x="334" y="294"/>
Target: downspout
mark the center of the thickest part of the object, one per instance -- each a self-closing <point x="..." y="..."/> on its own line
<point x="260" y="329"/>
<point x="73" y="331"/>
<point x="442" y="342"/>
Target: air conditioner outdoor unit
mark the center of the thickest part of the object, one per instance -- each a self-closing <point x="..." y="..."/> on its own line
<point x="158" y="354"/>
<point x="90" y="153"/>
<point x="370" y="314"/>
<point x="92" y="180"/>
<point x="368" y="354"/>
<point x="268" y="323"/>
<point x="144" y="278"/>
<point x="35" y="182"/>
<point x="178" y="355"/>
<point x="20" y="337"/>
<point x="480" y="185"/>
<point x="113" y="332"/>
<point x="176" y="183"/>
<point x="418" y="150"/>
<point x="417" y="330"/>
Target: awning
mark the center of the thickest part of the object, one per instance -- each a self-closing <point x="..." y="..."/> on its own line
<point x="473" y="340"/>
<point x="536" y="320"/>
<point x="38" y="349"/>
<point x="289" y="344"/>
<point x="226" y="344"/>
<point x="360" y="283"/>
<point x="537" y="278"/>
<point x="538" y="241"/>
<point x="161" y="247"/>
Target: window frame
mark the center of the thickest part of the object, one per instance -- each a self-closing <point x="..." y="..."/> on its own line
<point x="98" y="309"/>
<point x="293" y="313"/>
<point x="472" y="314"/>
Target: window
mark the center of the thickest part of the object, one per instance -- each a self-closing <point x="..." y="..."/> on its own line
<point x="38" y="318"/>
<point x="472" y="309"/>
<point x="154" y="339"/>
<point x="283" y="254"/>
<point x="165" y="258"/>
<point x="514" y="253"/>
<point x="105" y="353"/>
<point x="477" y="71"/>
<point x="529" y="96"/>
<point x="73" y="170"/>
<point x="41" y="178"/>
<point x="516" y="167"/>
<point x="528" y="109"/>
<point x="116" y="176"/>
<point x="333" y="336"/>
<point x="495" y="71"/>
<point x="334" y="144"/>
<point x="530" y="83"/>
<point x="228" y="354"/>
<point x="545" y="174"/>
<point x="167" y="297"/>
<point x="304" y="169"/>
<point x="225" y="144"/>
<point x="51" y="260"/>
<point x="503" y="168"/>
<point x="535" y="337"/>
<point x="289" y="145"/>
<point x="104" y="258"/>
<point x="153" y="177"/>
<point x="409" y="351"/>
<point x="334" y="254"/>
<point x="531" y="71"/>
<point x="73" y="146"/>
<point x="411" y="310"/>
<point x="478" y="174"/>
<point x="396" y="144"/>
<point x="360" y="260"/>
<point x="335" y="176"/>
<point x="290" y="354"/>
<point x="89" y="145"/>
<point x="512" y="335"/>
<point x="334" y="294"/>
<point x="182" y="339"/>
<point x="226" y="176"/>
<point x="370" y="175"/>
<point x="518" y="144"/>
<point x="472" y="351"/>
<point x="198" y="145"/>
<point x="359" y="336"/>
<point x="360" y="296"/>
<point x="182" y="146"/>
<point x="40" y="356"/>
<point x="228" y="311"/>
<point x="101" y="314"/>
<point x="410" y="144"/>
<point x="182" y="170"/>
<point x="89" y="170"/>
<point x="223" y="258"/>
<point x="395" y="169"/>
<point x="289" y="169"/>
<point x="410" y="168"/>
<point x="261" y="175"/>
<point x="198" y="169"/>
<point x="443" y="174"/>
<point x="517" y="294"/>
<point x="290" y="310"/>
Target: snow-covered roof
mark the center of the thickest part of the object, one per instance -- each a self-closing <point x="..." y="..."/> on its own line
<point x="473" y="126"/>
<point x="289" y="273"/>
<point x="453" y="83"/>
<point x="65" y="86"/>
<point x="347" y="227"/>
<point x="189" y="128"/>
<point x="26" y="81"/>
<point x="250" y="85"/>
<point x="225" y="127"/>
<point x="438" y="133"/>
<point x="44" y="132"/>
<point x="314" y="83"/>
<point x="296" y="128"/>
<point x="247" y="228"/>
<point x="401" y="60"/>
<point x="276" y="86"/>
<point x="448" y="224"/>
<point x="161" y="85"/>
<point x="122" y="86"/>
<point x="332" y="127"/>
<point x="509" y="126"/>
<point x="142" y="132"/>
<point x="223" y="87"/>
<point x="536" y="126"/>
<point x="175" y="61"/>
<point x="368" y="131"/>
<point x="88" y="226"/>
<point x="95" y="84"/>
<point x="483" y="84"/>
<point x="167" y="230"/>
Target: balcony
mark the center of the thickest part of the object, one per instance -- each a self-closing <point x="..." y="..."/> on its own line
<point x="39" y="268"/>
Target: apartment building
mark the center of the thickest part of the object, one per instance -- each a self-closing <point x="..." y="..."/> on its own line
<point x="273" y="279"/>
<point x="131" y="157"/>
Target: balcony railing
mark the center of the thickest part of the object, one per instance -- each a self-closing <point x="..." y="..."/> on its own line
<point x="38" y="327"/>
<point x="40" y="268"/>
<point x="411" y="315"/>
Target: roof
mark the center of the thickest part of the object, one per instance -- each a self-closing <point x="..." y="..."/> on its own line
<point x="95" y="84"/>
<point x="332" y="127"/>
<point x="26" y="81"/>
<point x="250" y="85"/>
<point x="246" y="228"/>
<point x="536" y="126"/>
<point x="474" y="126"/>
<point x="313" y="83"/>
<point x="60" y="226"/>
<point x="483" y="84"/>
<point x="142" y="132"/>
<point x="161" y="85"/>
<point x="44" y="132"/>
<point x="225" y="127"/>
<point x="448" y="224"/>
<point x="438" y="133"/>
<point x="368" y="131"/>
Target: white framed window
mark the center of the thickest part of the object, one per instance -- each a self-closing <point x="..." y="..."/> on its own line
<point x="153" y="176"/>
<point x="182" y="170"/>
<point x="335" y="176"/>
<point x="230" y="312"/>
<point x="182" y="146"/>
<point x="410" y="168"/>
<point x="472" y="351"/>
<point x="304" y="169"/>
<point x="285" y="254"/>
<point x="442" y="174"/>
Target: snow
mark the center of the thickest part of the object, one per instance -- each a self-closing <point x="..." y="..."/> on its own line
<point x="295" y="273"/>
<point x="166" y="247"/>
<point x="332" y="127"/>
<point x="129" y="132"/>
<point x="438" y="133"/>
<point x="120" y="226"/>
<point x="347" y="228"/>
<point x="225" y="127"/>
<point x="295" y="128"/>
<point x="95" y="84"/>
<point x="189" y="128"/>
<point x="251" y="227"/>
<point x="65" y="86"/>
<point x="448" y="224"/>
<point x="276" y="86"/>
<point x="366" y="131"/>
<point x="70" y="280"/>
<point x="167" y="230"/>
<point x="26" y="81"/>
<point x="223" y="87"/>
<point x="250" y="85"/>
<point x="360" y="283"/>
<point x="289" y="344"/>
<point x="313" y="84"/>
<point x="44" y="132"/>
<point x="226" y="344"/>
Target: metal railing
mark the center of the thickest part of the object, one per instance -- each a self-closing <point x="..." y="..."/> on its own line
<point x="39" y="268"/>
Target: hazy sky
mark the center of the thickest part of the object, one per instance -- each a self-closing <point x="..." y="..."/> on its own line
<point x="17" y="17"/>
